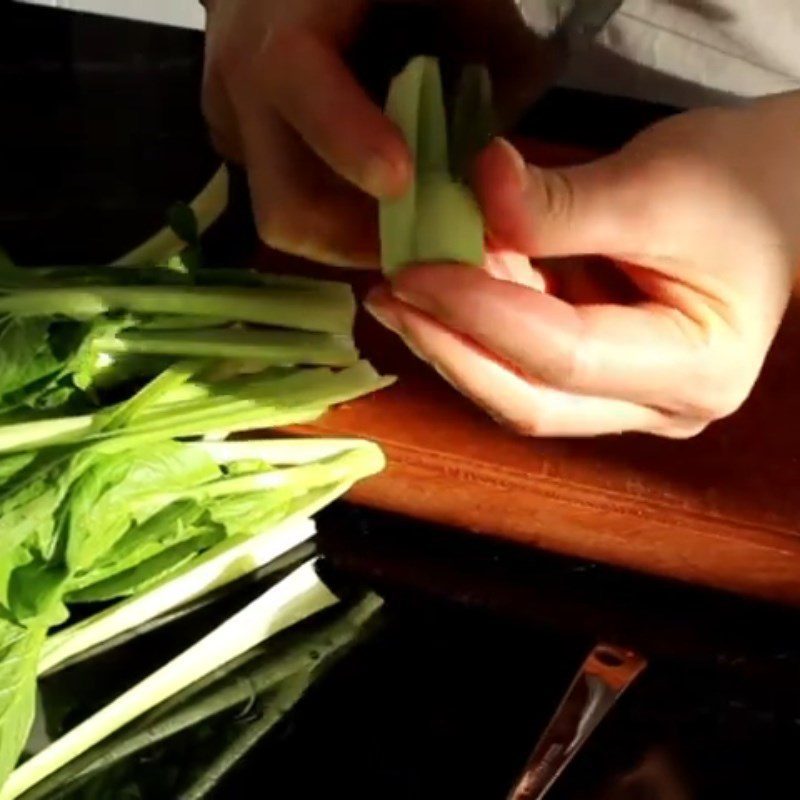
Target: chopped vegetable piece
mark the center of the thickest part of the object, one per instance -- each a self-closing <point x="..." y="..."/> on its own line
<point x="437" y="219"/>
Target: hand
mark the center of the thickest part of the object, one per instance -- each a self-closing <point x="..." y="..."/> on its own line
<point x="280" y="99"/>
<point x="698" y="219"/>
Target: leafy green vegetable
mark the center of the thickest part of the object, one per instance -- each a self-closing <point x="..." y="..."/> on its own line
<point x="121" y="490"/>
<point x="295" y="598"/>
<point x="279" y="307"/>
<point x="206" y="208"/>
<point x="437" y="219"/>
<point x="259" y="682"/>
<point x="472" y="123"/>
<point x="69" y="335"/>
<point x="237" y="404"/>
<point x="107" y="378"/>
<point x="129" y="519"/>
<point x="182" y="220"/>
<point x="221" y="565"/>
<point x="19" y="652"/>
<point x="269" y="347"/>
<point x="103" y="523"/>
<point x="26" y="356"/>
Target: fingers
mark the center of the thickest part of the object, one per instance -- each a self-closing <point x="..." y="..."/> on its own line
<point x="300" y="208"/>
<point x="528" y="407"/>
<point x="646" y="354"/>
<point x="316" y="149"/>
<point x="220" y="115"/>
<point x="309" y="85"/>
<point x="504" y="265"/>
<point x="578" y="210"/>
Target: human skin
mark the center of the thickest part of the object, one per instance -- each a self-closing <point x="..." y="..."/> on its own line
<point x="696" y="219"/>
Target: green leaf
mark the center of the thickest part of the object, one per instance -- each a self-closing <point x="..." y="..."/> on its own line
<point x="19" y="653"/>
<point x="35" y="591"/>
<point x="120" y="490"/>
<point x="178" y="522"/>
<point x="6" y="264"/>
<point x="31" y="564"/>
<point x="473" y="124"/>
<point x="268" y="347"/>
<point x="26" y="357"/>
<point x="45" y="362"/>
<point x="12" y="465"/>
<point x="253" y="512"/>
<point x="149" y="572"/>
<point x="84" y="362"/>
<point x="183" y="221"/>
<point x="172" y="377"/>
<point x="27" y="524"/>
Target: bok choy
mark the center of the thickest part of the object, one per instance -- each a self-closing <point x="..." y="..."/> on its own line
<point x="119" y="387"/>
<point x="437" y="219"/>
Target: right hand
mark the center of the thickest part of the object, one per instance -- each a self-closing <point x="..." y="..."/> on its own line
<point x="696" y="218"/>
<point x="280" y="100"/>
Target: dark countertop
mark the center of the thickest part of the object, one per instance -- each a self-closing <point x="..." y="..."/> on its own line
<point x="100" y="132"/>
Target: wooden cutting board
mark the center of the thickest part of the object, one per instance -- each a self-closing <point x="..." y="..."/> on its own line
<point x="721" y="510"/>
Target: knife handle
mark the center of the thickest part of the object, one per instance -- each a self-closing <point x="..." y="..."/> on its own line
<point x="605" y="674"/>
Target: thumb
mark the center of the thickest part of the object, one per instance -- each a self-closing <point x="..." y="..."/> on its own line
<point x="576" y="210"/>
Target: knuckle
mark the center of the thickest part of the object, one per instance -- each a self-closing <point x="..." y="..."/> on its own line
<point x="715" y="395"/>
<point x="276" y="230"/>
<point x="730" y="399"/>
<point x="668" y="190"/>
<point x="683" y="430"/>
<point x="284" y="229"/>
<point x="529" y="428"/>
<point x="558" y="194"/>
<point x="534" y="423"/>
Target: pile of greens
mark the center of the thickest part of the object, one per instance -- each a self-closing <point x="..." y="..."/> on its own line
<point x="119" y="388"/>
<point x="188" y="746"/>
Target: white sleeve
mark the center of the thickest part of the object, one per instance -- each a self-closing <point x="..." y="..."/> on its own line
<point x="694" y="52"/>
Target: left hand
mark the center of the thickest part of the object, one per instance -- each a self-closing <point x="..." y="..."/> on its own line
<point x="698" y="219"/>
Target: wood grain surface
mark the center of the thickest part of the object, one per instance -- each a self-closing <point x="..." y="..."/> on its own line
<point x="720" y="510"/>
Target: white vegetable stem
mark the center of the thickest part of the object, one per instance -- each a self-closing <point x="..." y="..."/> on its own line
<point x="296" y="597"/>
<point x="207" y="207"/>
<point x="221" y="566"/>
<point x="283" y="452"/>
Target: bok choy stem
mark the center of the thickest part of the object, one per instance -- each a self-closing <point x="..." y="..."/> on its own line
<point x="296" y="597"/>
<point x="222" y="565"/>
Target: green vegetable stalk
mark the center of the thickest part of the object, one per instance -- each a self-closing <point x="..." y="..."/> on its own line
<point x="271" y="678"/>
<point x="298" y="596"/>
<point x="437" y="219"/>
<point x="108" y="379"/>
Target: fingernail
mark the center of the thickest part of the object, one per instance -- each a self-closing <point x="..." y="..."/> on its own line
<point x="409" y="291"/>
<point x="383" y="177"/>
<point x="389" y="318"/>
<point x="409" y="342"/>
<point x="384" y="314"/>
